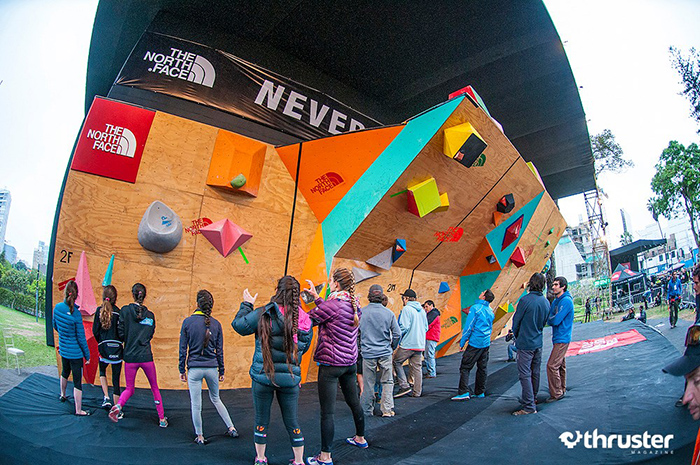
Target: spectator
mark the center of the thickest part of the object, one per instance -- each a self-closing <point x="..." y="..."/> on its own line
<point x="588" y="310"/>
<point x="432" y="337"/>
<point x="511" y="347"/>
<point x="674" y="292"/>
<point x="642" y="314"/>
<point x="414" y="325"/>
<point x="561" y="318"/>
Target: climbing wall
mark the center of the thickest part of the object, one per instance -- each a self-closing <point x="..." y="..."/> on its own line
<point x="443" y="204"/>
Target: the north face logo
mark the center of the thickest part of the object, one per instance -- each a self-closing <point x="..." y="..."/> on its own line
<point x="182" y="65"/>
<point x="113" y="139"/>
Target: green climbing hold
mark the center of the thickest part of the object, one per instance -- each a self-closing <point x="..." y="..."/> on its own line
<point x="546" y="244"/>
<point x="238" y="181"/>
<point x="551" y="231"/>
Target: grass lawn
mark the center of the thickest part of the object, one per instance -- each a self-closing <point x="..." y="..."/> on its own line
<point x="30" y="336"/>
<point x="652" y="312"/>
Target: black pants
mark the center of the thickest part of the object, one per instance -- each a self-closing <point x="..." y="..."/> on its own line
<point x="328" y="379"/>
<point x="116" y="374"/>
<point x="74" y="365"/>
<point x="472" y="356"/>
<point x="588" y="317"/>
<point x="673" y="311"/>
<point x="287" y="398"/>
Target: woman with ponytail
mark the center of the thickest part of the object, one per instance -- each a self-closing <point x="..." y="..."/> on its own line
<point x="137" y="324"/>
<point x="72" y="345"/>
<point x="282" y="335"/>
<point x="338" y="319"/>
<point x="104" y="328"/>
<point x="202" y="350"/>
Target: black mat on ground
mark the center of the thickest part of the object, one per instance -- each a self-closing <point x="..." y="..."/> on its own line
<point x="617" y="391"/>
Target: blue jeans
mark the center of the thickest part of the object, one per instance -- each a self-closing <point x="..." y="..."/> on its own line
<point x="430" y="347"/>
<point x="511" y="351"/>
<point x="194" y="382"/>
<point x="529" y="362"/>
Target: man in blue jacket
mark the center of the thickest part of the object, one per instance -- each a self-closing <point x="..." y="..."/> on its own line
<point x="561" y="319"/>
<point x="528" y="321"/>
<point x="477" y="332"/>
<point x="675" y="290"/>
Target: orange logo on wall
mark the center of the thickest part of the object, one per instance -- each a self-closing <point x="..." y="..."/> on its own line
<point x="327" y="182"/>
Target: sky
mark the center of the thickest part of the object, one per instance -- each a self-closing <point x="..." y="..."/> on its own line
<point x="618" y="51"/>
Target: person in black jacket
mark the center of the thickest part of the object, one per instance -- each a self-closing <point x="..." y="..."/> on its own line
<point x="202" y="349"/>
<point x="104" y="328"/>
<point x="137" y="324"/>
<point x="282" y="335"/>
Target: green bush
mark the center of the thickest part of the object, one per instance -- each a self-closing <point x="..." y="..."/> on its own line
<point x="22" y="302"/>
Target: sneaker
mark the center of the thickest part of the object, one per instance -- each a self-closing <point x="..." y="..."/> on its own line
<point x="163" y="423"/>
<point x="292" y="462"/>
<point x="316" y="461"/>
<point x="120" y="416"/>
<point x="200" y="442"/>
<point x="480" y="396"/>
<point x="402" y="392"/>
<point x="262" y="461"/>
<point x="522" y="412"/>
<point x="464" y="396"/>
<point x="62" y="398"/>
<point x="232" y="433"/>
<point x="114" y="413"/>
<point x="388" y="414"/>
<point x="361" y="445"/>
<point x="106" y="404"/>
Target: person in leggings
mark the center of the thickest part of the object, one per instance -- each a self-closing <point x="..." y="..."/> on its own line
<point x="282" y="335"/>
<point x="338" y="319"/>
<point x="202" y="350"/>
<point x="104" y="328"/>
<point x="72" y="345"/>
<point x="137" y="324"/>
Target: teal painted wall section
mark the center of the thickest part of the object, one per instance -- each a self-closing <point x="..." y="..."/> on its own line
<point x="366" y="193"/>
<point x="472" y="286"/>
<point x="496" y="236"/>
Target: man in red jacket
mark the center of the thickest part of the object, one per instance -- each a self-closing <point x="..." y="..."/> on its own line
<point x="431" y="337"/>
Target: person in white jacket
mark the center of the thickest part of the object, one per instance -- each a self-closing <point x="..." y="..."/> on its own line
<point x="414" y="324"/>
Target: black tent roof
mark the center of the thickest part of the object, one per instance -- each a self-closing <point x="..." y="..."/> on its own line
<point x="390" y="60"/>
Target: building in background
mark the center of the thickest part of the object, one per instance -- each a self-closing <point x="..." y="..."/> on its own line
<point x="5" y="200"/>
<point x="679" y="251"/>
<point x="580" y="236"/>
<point x="568" y="258"/>
<point x="10" y="253"/>
<point x="41" y="257"/>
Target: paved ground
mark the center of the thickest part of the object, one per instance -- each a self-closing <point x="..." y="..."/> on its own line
<point x="9" y="377"/>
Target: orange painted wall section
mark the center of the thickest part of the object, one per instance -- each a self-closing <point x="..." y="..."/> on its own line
<point x="323" y="178"/>
<point x="234" y="155"/>
<point x="478" y="263"/>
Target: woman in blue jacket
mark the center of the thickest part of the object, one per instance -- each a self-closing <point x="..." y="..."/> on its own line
<point x="202" y="350"/>
<point x="72" y="345"/>
<point x="282" y="335"/>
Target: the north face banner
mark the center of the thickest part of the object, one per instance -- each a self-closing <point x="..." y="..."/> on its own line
<point x="112" y="140"/>
<point x="194" y="72"/>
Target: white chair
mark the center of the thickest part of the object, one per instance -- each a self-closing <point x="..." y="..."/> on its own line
<point x="10" y="349"/>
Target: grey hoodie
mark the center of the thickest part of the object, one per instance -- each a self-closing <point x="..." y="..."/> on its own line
<point x="379" y="331"/>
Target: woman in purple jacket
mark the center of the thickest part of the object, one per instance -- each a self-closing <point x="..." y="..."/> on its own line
<point x="336" y="354"/>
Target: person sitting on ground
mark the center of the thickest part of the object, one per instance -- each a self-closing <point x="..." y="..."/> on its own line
<point x="510" y="338"/>
<point x="630" y="315"/>
<point x="642" y="314"/>
<point x="202" y="350"/>
<point x="380" y="335"/>
<point x="688" y="366"/>
<point x="477" y="334"/>
<point x="282" y="334"/>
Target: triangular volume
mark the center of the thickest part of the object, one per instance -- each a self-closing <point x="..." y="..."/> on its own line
<point x="518" y="257"/>
<point x="322" y="181"/>
<point x="382" y="260"/>
<point x="501" y="311"/>
<point x="512" y="232"/>
<point x="362" y="274"/>
<point x="497" y="235"/>
<point x="423" y="197"/>
<point x="482" y="261"/>
<point x="86" y="296"/>
<point x="225" y="236"/>
<point x="399" y="249"/>
<point x="444" y="287"/>
<point x="463" y="143"/>
<point x="497" y="218"/>
<point x="107" y="280"/>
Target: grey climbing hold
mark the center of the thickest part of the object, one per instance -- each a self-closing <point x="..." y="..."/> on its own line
<point x="160" y="229"/>
<point x="382" y="260"/>
<point x="362" y="274"/>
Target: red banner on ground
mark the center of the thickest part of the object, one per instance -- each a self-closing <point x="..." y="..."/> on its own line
<point x="604" y="343"/>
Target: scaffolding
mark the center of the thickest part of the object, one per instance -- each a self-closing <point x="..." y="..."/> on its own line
<point x="601" y="254"/>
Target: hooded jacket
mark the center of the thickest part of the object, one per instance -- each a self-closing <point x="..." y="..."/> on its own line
<point x="136" y="333"/>
<point x="561" y="318"/>
<point x="337" y="335"/>
<point x="433" y="333"/>
<point x="477" y="328"/>
<point x="246" y="323"/>
<point x="108" y="343"/>
<point x="414" y="325"/>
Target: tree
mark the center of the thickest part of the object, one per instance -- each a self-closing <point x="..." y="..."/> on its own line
<point x="676" y="184"/>
<point x="607" y="153"/>
<point x="626" y="238"/>
<point x="15" y="280"/>
<point x="21" y="266"/>
<point x="689" y="70"/>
